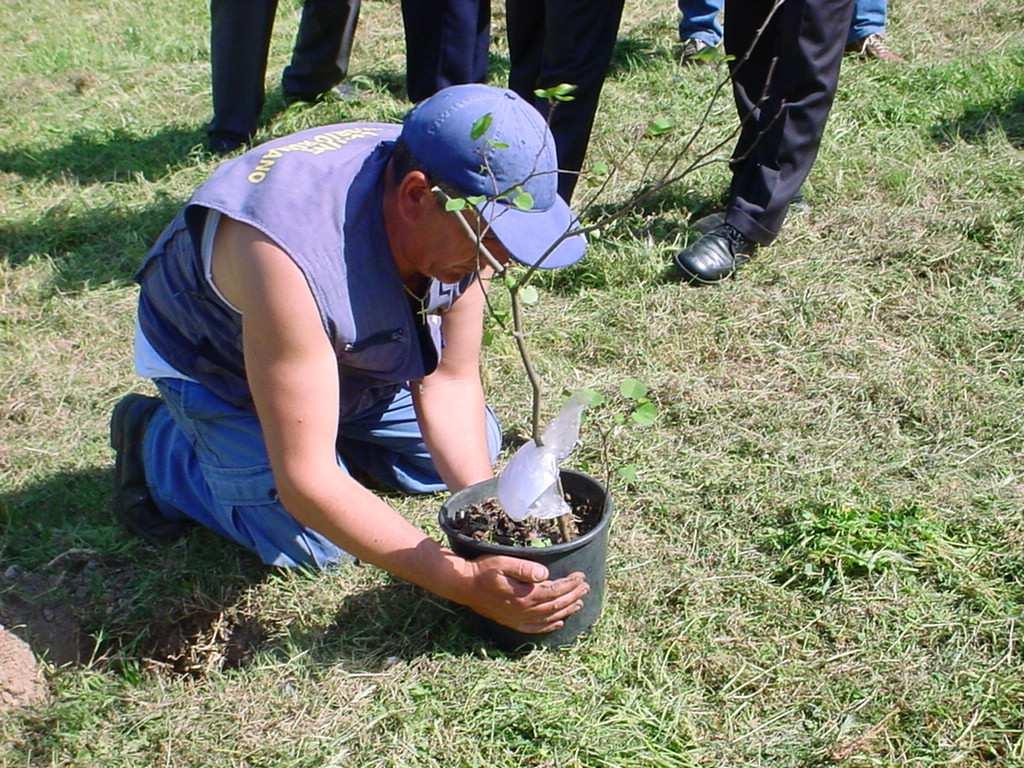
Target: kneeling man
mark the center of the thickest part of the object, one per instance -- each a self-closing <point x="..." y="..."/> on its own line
<point x="312" y="319"/>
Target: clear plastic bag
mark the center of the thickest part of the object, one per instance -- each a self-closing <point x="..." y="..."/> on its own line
<point x="529" y="485"/>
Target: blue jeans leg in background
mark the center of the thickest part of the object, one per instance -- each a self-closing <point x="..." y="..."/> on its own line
<point x="700" y="21"/>
<point x="868" y="19"/>
<point x="206" y="460"/>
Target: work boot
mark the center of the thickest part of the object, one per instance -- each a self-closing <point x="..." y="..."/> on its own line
<point x="133" y="506"/>
<point x="715" y="256"/>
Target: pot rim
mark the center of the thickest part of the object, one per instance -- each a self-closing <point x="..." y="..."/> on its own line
<point x="528" y="552"/>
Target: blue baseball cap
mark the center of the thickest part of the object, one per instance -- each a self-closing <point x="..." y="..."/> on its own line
<point x="515" y="153"/>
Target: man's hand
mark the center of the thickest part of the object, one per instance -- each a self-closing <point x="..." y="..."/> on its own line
<point x="516" y="593"/>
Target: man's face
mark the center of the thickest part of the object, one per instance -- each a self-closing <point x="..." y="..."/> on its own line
<point x="453" y="252"/>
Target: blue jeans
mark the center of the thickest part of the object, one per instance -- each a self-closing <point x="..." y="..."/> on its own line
<point x="700" y="20"/>
<point x="868" y="19"/>
<point x="206" y="461"/>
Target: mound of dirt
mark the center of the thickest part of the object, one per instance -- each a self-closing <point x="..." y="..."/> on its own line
<point x="21" y="681"/>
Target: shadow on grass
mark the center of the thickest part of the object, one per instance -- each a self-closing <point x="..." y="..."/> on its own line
<point x="77" y="587"/>
<point x="88" y="246"/>
<point x="381" y="626"/>
<point x="108" y="157"/>
<point x="79" y="590"/>
<point x="659" y="218"/>
<point x="975" y="122"/>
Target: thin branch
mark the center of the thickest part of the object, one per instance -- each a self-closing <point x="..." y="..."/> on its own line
<point x="520" y="337"/>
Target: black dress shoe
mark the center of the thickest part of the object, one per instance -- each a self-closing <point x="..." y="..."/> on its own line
<point x="223" y="144"/>
<point x="341" y="92"/>
<point x="715" y="256"/>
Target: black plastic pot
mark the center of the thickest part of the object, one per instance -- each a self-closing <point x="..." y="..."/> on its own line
<point x="586" y="554"/>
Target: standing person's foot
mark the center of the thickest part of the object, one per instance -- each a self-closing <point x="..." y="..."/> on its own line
<point x="715" y="256"/>
<point x="343" y="91"/>
<point x="694" y="51"/>
<point x="224" y="143"/>
<point x="874" y="47"/>
<point x="133" y="506"/>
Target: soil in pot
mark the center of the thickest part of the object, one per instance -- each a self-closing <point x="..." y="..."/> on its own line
<point x="487" y="521"/>
<point x="468" y="518"/>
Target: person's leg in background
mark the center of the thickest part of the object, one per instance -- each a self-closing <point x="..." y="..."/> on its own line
<point x="446" y="43"/>
<point x="322" y="49"/>
<point x="867" y="32"/>
<point x="784" y="91"/>
<point x="699" y="27"/>
<point x="239" y="42"/>
<point x="780" y="141"/>
<point x="564" y="41"/>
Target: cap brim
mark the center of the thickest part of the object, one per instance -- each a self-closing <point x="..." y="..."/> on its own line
<point x="529" y="235"/>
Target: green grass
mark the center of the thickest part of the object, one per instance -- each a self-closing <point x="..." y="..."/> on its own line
<point x="820" y="560"/>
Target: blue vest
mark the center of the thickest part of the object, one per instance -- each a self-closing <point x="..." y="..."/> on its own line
<point x="318" y="195"/>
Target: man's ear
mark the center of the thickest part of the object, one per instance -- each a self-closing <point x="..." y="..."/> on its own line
<point x="415" y="198"/>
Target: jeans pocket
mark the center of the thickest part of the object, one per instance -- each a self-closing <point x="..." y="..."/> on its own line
<point x="241" y="486"/>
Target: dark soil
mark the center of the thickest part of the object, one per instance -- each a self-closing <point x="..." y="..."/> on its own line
<point x="61" y="609"/>
<point x="488" y="522"/>
<point x="35" y="606"/>
<point x="202" y="640"/>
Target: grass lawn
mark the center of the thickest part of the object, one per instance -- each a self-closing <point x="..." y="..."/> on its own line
<point x="820" y="560"/>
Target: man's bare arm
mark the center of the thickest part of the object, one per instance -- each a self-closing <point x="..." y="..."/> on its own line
<point x="450" y="402"/>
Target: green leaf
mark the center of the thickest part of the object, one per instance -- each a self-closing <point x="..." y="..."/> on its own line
<point x="659" y="127"/>
<point x="589" y="396"/>
<point x="475" y="200"/>
<point x="488" y="338"/>
<point x="498" y="144"/>
<point x="628" y="473"/>
<point x="523" y="201"/>
<point x="564" y="91"/>
<point x="645" y="415"/>
<point x="560" y="92"/>
<point x="633" y="389"/>
<point x="710" y="55"/>
<point x="538" y="542"/>
<point x="454" y="203"/>
<point x="528" y="295"/>
<point x="480" y="126"/>
<point x="600" y="168"/>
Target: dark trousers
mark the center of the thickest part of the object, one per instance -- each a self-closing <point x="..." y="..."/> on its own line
<point x="784" y="116"/>
<point x="240" y="40"/>
<point x="563" y="41"/>
<point x="446" y="43"/>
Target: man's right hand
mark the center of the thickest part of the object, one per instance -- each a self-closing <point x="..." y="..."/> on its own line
<point x="517" y="594"/>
